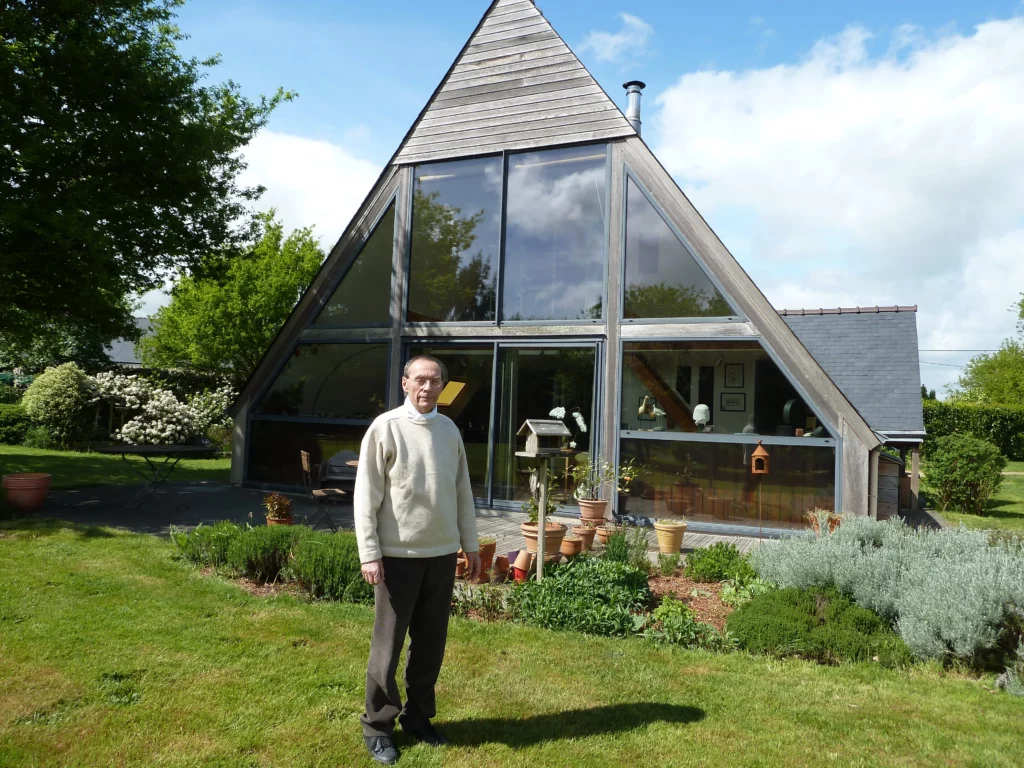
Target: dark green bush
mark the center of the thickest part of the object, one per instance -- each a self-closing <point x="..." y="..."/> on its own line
<point x="261" y="553"/>
<point x="40" y="437"/>
<point x="616" y="549"/>
<point x="1001" y="425"/>
<point x="327" y="566"/>
<point x="207" y="544"/>
<point x="10" y="395"/>
<point x="718" y="562"/>
<point x="14" y="423"/>
<point x="963" y="473"/>
<point x="816" y="624"/>
<point x="591" y="595"/>
<point x="628" y="546"/>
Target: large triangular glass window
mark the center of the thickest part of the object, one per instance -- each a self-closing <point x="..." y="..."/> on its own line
<point x="364" y="295"/>
<point x="662" y="278"/>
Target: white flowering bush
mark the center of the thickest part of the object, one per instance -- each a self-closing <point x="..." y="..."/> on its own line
<point x="210" y="410"/>
<point x="57" y="400"/>
<point x="127" y="391"/>
<point x="164" y="420"/>
<point x="581" y="424"/>
<point x="948" y="592"/>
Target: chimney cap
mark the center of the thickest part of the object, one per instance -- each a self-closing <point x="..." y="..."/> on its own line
<point x="638" y="83"/>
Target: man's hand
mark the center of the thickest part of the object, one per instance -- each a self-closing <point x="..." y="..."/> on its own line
<point x="474" y="565"/>
<point x="373" y="572"/>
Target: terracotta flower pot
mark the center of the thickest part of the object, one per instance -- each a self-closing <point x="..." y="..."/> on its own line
<point x="670" y="536"/>
<point x="486" y="556"/>
<point x="501" y="565"/>
<point x="26" y="491"/>
<point x="604" y="531"/>
<point x="593" y="509"/>
<point x="553" y="533"/>
<point x="572" y="546"/>
<point x="586" y="534"/>
<point x="290" y="520"/>
<point x="460" y="567"/>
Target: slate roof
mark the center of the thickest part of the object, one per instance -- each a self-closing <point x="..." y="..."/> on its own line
<point x="870" y="353"/>
<point x="122" y="351"/>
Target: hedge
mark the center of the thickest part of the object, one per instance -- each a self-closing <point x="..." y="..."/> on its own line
<point x="1001" y="425"/>
<point x="14" y="422"/>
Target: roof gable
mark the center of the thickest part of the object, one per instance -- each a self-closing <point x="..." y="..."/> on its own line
<point x="515" y="84"/>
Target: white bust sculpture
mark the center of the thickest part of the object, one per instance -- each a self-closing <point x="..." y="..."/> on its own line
<point x="701" y="417"/>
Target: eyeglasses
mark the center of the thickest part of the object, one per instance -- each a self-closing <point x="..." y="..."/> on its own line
<point x="424" y="381"/>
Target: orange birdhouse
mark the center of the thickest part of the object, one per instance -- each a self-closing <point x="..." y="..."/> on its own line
<point x="760" y="460"/>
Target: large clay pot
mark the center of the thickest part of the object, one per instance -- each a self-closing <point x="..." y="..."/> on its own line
<point x="586" y="534"/>
<point x="553" y="533"/>
<point x="486" y="557"/>
<point x="26" y="491"/>
<point x="290" y="520"/>
<point x="593" y="509"/>
<point x="572" y="546"/>
<point x="670" y="536"/>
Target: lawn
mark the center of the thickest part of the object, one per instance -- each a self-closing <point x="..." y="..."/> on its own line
<point x="113" y="653"/>
<point x="1005" y="511"/>
<point x="1014" y="466"/>
<point x="74" y="469"/>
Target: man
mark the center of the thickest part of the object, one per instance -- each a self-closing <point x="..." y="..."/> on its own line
<point x="413" y="511"/>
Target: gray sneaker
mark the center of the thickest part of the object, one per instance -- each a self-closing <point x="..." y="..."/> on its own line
<point x="381" y="749"/>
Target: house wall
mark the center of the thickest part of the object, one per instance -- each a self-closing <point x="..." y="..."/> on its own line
<point x="856" y="467"/>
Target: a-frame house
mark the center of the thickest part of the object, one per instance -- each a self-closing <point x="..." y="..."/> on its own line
<point x="524" y="234"/>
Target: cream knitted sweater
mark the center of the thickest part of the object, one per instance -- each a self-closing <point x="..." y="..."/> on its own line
<point x="413" y="496"/>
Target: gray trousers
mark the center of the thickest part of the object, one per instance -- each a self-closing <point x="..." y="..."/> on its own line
<point x="415" y="597"/>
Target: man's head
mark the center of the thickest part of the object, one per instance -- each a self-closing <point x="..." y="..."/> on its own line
<point x="422" y="380"/>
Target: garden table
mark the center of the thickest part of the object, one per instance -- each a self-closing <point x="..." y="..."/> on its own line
<point x="159" y="472"/>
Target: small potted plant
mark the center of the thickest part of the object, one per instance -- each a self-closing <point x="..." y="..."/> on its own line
<point x="586" y="530"/>
<point x="279" y="509"/>
<point x="553" y="532"/>
<point x="670" y="531"/>
<point x="572" y="545"/>
<point x="589" y="480"/>
<point x="630" y="482"/>
<point x="606" y="530"/>
<point x="486" y="545"/>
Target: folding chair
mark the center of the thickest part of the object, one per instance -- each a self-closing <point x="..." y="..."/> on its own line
<point x="323" y="497"/>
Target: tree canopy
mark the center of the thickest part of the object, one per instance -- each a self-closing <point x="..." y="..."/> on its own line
<point x="225" y="324"/>
<point x="118" y="166"/>
<point x="997" y="377"/>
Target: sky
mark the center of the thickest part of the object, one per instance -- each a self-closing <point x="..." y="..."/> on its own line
<point x="846" y="153"/>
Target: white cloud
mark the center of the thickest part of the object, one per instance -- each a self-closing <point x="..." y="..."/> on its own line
<point x="310" y="182"/>
<point x="630" y="40"/>
<point x="857" y="179"/>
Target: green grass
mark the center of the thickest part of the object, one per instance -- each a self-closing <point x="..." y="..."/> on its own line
<point x="1005" y="510"/>
<point x="113" y="653"/>
<point x="1014" y="466"/>
<point x="74" y="469"/>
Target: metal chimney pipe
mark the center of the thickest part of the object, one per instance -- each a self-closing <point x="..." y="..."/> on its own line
<point x="633" y="93"/>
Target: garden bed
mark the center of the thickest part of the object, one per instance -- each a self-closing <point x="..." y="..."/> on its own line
<point x="700" y="597"/>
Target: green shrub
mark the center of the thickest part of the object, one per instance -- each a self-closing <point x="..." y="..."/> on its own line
<point x="57" y="399"/>
<point x="718" y="562"/>
<point x="39" y="437"/>
<point x="14" y="423"/>
<point x="327" y="566"/>
<point x="10" y="395"/>
<point x="1001" y="425"/>
<point x="206" y="544"/>
<point x="669" y="564"/>
<point x="963" y="473"/>
<point x="591" y="595"/>
<point x="949" y="593"/>
<point x="484" y="601"/>
<point x="261" y="553"/>
<point x="616" y="549"/>
<point x="822" y="625"/>
<point x="1012" y="680"/>
<point x="673" y="622"/>
<point x="738" y="591"/>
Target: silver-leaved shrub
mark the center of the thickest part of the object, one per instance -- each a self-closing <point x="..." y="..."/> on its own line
<point x="948" y="592"/>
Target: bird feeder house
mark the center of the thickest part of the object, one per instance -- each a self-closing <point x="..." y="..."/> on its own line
<point x="760" y="461"/>
<point x="543" y="437"/>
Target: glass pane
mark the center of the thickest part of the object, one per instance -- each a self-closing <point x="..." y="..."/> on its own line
<point x="275" y="446"/>
<point x="364" y="295"/>
<point x="712" y="482"/>
<point x="662" y="278"/>
<point x="555" y="235"/>
<point x="337" y="381"/>
<point x="466" y="400"/>
<point x="721" y="387"/>
<point x="532" y="382"/>
<point x="456" y="232"/>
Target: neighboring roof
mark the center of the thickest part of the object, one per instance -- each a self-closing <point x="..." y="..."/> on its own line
<point x="122" y="351"/>
<point x="514" y="85"/>
<point x="871" y="355"/>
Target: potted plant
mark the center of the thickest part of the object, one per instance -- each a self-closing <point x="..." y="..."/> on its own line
<point x="606" y="530"/>
<point x="553" y="532"/>
<point x="26" y="491"/>
<point x="630" y="475"/>
<point x="821" y="519"/>
<point x="586" y="530"/>
<point x="670" y="533"/>
<point x="486" y="546"/>
<point x="572" y="545"/>
<point x="589" y="479"/>
<point x="279" y="509"/>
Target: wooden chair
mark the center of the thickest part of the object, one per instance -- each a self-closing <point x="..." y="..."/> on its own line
<point x="324" y="497"/>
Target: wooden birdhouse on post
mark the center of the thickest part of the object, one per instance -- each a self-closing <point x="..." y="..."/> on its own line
<point x="543" y="437"/>
<point x="760" y="460"/>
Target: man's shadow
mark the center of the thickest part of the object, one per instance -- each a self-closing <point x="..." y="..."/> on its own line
<point x="570" y="724"/>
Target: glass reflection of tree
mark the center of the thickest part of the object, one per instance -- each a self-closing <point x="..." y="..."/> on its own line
<point x="443" y="285"/>
<point x="663" y="300"/>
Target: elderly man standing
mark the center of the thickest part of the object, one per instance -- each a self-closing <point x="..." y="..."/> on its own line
<point x="413" y="511"/>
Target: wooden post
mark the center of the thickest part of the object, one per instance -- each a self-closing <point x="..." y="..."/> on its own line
<point x="542" y="505"/>
<point x="915" y="477"/>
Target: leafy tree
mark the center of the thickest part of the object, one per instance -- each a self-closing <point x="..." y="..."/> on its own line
<point x="927" y="394"/>
<point x="997" y="377"/>
<point x="117" y="166"/>
<point x="663" y="300"/>
<point x="225" y="325"/>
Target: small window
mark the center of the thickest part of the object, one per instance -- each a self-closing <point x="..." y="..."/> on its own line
<point x="662" y="278"/>
<point x="364" y="295"/>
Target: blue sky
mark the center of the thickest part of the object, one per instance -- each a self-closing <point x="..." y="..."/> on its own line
<point x="846" y="153"/>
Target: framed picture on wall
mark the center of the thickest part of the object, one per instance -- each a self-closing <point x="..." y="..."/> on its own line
<point x="733" y="401"/>
<point x="733" y="375"/>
